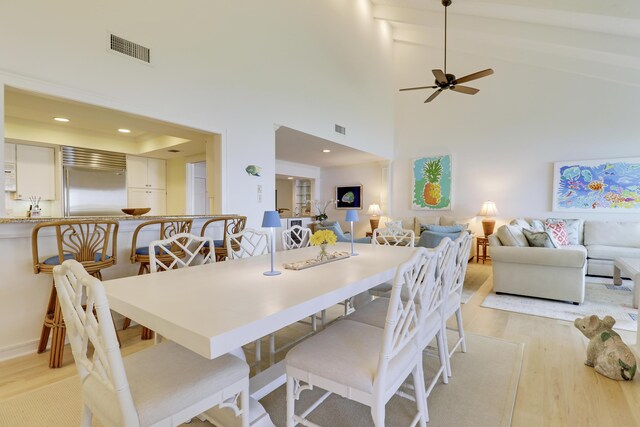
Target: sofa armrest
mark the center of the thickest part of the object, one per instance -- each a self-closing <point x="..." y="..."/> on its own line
<point x="572" y="258"/>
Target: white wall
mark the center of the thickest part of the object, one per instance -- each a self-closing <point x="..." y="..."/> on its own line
<point x="505" y="139"/>
<point x="372" y="178"/>
<point x="237" y="68"/>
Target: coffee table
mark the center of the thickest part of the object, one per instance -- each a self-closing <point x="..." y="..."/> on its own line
<point x="631" y="268"/>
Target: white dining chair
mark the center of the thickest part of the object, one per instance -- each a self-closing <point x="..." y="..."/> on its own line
<point x="390" y="237"/>
<point x="363" y="362"/>
<point x="247" y="243"/>
<point x="162" y="385"/>
<point x="191" y="251"/>
<point x="296" y="237"/>
<point x="430" y="308"/>
<point x="453" y="297"/>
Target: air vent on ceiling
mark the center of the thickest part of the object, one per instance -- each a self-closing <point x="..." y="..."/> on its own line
<point x="341" y="129"/>
<point x="126" y="47"/>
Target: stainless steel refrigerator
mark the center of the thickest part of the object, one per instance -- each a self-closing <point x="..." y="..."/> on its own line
<point x="95" y="182"/>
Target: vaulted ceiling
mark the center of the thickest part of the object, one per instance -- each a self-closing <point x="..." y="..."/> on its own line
<point x="589" y="37"/>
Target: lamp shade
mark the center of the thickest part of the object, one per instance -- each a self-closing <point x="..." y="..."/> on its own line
<point x="271" y="219"/>
<point x="352" y="216"/>
<point x="374" y="210"/>
<point x="488" y="209"/>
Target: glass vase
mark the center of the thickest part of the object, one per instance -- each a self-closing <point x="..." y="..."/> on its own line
<point x="324" y="255"/>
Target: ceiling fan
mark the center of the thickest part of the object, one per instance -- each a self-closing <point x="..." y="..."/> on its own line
<point x="446" y="81"/>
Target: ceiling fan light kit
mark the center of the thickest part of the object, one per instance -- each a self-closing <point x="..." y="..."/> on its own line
<point x="446" y="81"/>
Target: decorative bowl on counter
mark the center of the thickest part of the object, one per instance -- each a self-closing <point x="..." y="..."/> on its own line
<point x="136" y="211"/>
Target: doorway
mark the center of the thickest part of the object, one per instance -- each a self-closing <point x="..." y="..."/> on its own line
<point x="197" y="195"/>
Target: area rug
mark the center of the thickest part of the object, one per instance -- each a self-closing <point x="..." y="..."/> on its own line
<point x="490" y="364"/>
<point x="482" y="392"/>
<point x="602" y="297"/>
<point x="476" y="276"/>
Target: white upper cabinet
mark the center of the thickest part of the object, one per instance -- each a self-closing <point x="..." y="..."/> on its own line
<point x="35" y="172"/>
<point x="144" y="172"/>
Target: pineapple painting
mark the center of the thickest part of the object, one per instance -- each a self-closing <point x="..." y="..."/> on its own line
<point x="432" y="172"/>
<point x="432" y="183"/>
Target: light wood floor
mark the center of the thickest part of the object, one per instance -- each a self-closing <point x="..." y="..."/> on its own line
<point x="555" y="388"/>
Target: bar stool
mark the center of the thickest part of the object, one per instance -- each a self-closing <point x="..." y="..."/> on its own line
<point x="231" y="224"/>
<point x="165" y="229"/>
<point x="94" y="245"/>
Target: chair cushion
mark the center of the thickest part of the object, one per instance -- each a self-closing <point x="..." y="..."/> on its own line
<point x="216" y="243"/>
<point x="347" y="352"/>
<point x="144" y="250"/>
<point x="55" y="260"/>
<point x="166" y="378"/>
<point x="375" y="314"/>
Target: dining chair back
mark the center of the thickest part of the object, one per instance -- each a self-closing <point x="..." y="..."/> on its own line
<point x="296" y="237"/>
<point x="190" y="246"/>
<point x="152" y="400"/>
<point x="393" y="237"/>
<point x="230" y="224"/>
<point x="247" y="243"/>
<point x="92" y="243"/>
<point x="165" y="229"/>
<point x="453" y="293"/>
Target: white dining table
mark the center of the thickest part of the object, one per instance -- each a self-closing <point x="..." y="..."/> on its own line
<point x="216" y="308"/>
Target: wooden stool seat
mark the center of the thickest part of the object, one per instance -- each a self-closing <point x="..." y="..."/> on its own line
<point x="94" y="245"/>
<point x="140" y="254"/>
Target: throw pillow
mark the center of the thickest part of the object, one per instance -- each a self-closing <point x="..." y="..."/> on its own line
<point x="539" y="239"/>
<point x="558" y="231"/>
<point x="445" y="228"/>
<point x="512" y="235"/>
<point x="574" y="229"/>
<point x="536" y="225"/>
<point x="520" y="223"/>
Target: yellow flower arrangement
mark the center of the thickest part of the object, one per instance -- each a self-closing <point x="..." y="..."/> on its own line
<point x="323" y="237"/>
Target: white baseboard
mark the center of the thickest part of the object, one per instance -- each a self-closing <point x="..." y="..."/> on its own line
<point x="18" y="350"/>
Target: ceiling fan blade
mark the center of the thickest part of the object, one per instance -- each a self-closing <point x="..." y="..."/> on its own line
<point x="433" y="96"/>
<point x="465" y="89"/>
<point x="440" y="76"/>
<point x="474" y="76"/>
<point x="416" y="88"/>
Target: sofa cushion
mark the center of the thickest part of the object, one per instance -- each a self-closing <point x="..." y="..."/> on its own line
<point x="539" y="239"/>
<point x="445" y="228"/>
<point x="612" y="252"/>
<point x="420" y="221"/>
<point x="572" y="257"/>
<point x="574" y="227"/>
<point x="512" y="235"/>
<point x="520" y="223"/>
<point x="610" y="233"/>
<point x="558" y="232"/>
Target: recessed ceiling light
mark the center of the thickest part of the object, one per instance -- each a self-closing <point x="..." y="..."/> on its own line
<point x="124" y="130"/>
<point x="61" y="119"/>
<point x="326" y="151"/>
<point x="289" y="177"/>
<point x="173" y="151"/>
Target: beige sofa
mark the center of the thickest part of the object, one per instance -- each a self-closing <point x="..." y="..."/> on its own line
<point x="559" y="273"/>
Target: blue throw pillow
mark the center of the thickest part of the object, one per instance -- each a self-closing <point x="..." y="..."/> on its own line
<point x="445" y="228"/>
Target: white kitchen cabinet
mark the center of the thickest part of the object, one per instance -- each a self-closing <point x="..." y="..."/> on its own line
<point x="143" y="172"/>
<point x="35" y="172"/>
<point x="144" y="198"/>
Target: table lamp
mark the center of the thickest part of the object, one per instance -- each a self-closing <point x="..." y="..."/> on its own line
<point x="488" y="210"/>
<point x="375" y="212"/>
<point x="352" y="216"/>
<point x="271" y="220"/>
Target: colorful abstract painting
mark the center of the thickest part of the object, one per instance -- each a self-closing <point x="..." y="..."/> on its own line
<point x="585" y="186"/>
<point x="432" y="183"/>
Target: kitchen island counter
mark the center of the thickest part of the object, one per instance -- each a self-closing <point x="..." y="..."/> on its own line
<point x="24" y="295"/>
